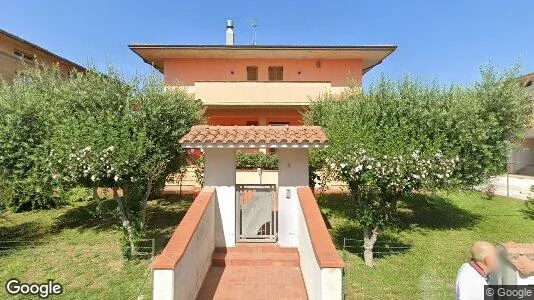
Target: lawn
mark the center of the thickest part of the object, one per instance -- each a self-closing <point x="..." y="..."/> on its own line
<point x="81" y="250"/>
<point x="433" y="238"/>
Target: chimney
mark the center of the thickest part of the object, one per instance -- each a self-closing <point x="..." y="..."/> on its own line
<point x="229" y="32"/>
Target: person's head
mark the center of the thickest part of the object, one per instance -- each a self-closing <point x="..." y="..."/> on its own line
<point x="485" y="255"/>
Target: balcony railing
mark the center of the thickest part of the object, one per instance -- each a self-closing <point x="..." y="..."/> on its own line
<point x="260" y="92"/>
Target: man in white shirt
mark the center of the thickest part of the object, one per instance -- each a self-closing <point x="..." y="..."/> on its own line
<point x="472" y="275"/>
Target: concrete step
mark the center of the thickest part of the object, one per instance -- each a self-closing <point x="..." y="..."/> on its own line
<point x="257" y="247"/>
<point x="256" y="255"/>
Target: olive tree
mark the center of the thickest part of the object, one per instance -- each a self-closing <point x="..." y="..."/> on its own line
<point x="403" y="137"/>
<point x="29" y="110"/>
<point x="123" y="136"/>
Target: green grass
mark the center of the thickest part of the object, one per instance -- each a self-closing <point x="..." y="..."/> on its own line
<point x="82" y="251"/>
<point x="435" y="233"/>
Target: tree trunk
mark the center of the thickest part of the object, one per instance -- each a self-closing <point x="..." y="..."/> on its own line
<point x="126" y="224"/>
<point x="96" y="198"/>
<point x="369" y="240"/>
<point x="143" y="205"/>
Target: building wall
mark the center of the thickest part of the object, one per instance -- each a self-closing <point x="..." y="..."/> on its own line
<point x="294" y="95"/>
<point x="187" y="71"/>
<point x="179" y="271"/>
<point x="522" y="158"/>
<point x="10" y="64"/>
<point x="263" y="116"/>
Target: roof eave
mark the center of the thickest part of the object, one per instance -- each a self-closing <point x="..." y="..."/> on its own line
<point x="134" y="47"/>
<point x="254" y="145"/>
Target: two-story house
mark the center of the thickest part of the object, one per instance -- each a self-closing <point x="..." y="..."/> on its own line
<point x="16" y="54"/>
<point x="260" y="85"/>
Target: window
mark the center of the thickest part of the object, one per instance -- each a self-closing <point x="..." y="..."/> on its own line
<point x="23" y="55"/>
<point x="252" y="73"/>
<point x="276" y="73"/>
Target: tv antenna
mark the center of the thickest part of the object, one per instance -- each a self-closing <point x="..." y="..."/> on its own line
<point x="254" y="26"/>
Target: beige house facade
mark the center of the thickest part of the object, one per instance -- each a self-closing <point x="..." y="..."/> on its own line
<point x="17" y="54"/>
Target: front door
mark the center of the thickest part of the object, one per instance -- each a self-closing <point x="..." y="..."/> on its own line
<point x="256" y="212"/>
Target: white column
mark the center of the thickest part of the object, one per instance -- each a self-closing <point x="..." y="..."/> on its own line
<point x="219" y="171"/>
<point x="163" y="287"/>
<point x="292" y="172"/>
<point x="293" y="167"/>
<point x="331" y="283"/>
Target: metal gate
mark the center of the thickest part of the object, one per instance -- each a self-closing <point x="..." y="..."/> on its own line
<point x="256" y="213"/>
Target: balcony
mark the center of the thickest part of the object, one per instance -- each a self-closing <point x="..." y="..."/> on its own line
<point x="260" y="92"/>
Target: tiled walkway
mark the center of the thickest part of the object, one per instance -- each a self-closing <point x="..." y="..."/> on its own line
<point x="254" y="271"/>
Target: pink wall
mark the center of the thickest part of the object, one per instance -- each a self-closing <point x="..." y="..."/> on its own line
<point x="187" y="71"/>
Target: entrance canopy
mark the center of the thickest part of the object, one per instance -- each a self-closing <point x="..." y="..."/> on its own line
<point x="246" y="137"/>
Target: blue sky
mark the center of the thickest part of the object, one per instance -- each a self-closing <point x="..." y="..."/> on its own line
<point x="444" y="40"/>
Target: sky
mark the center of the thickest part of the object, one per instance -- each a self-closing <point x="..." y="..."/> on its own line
<point x="446" y="41"/>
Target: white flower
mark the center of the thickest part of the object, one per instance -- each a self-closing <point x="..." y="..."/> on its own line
<point x="93" y="178"/>
<point x="116" y="178"/>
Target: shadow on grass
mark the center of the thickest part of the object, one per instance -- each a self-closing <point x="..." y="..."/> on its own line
<point x="433" y="212"/>
<point x="29" y="231"/>
<point x="86" y="217"/>
<point x="426" y="211"/>
<point x="163" y="215"/>
<point x="418" y="211"/>
<point x="20" y="236"/>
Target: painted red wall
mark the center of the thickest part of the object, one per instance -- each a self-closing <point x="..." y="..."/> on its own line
<point x="187" y="71"/>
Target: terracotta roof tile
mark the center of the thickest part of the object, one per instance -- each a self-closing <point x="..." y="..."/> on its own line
<point x="229" y="135"/>
<point x="521" y="256"/>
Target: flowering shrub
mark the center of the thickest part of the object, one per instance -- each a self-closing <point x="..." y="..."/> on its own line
<point x="394" y="176"/>
<point x="123" y="136"/>
<point x="91" y="130"/>
<point x="399" y="138"/>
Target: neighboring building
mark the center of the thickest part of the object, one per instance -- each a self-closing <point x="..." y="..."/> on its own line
<point x="521" y="162"/>
<point x="527" y="81"/>
<point x="260" y="85"/>
<point x="17" y="54"/>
